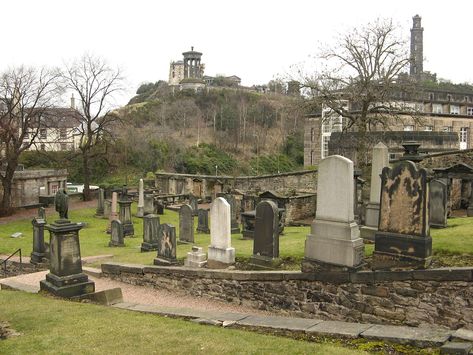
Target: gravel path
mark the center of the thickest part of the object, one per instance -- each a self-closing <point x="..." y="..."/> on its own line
<point x="146" y="295"/>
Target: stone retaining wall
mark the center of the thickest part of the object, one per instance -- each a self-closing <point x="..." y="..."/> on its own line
<point x="436" y="296"/>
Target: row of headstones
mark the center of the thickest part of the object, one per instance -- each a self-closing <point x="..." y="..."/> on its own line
<point x="402" y="236"/>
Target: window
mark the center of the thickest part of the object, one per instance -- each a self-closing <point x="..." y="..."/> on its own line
<point x="437" y="108"/>
<point x="469" y="111"/>
<point x="43" y="133"/>
<point x="447" y="128"/>
<point x="325" y="140"/>
<point x="43" y="146"/>
<point x="63" y="133"/>
<point x="63" y="146"/>
<point x="463" y="137"/>
<point x="392" y="156"/>
<point x="428" y="128"/>
<point x="408" y="128"/>
<point x="449" y="97"/>
<point x="454" y="109"/>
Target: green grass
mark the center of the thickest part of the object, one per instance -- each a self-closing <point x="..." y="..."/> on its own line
<point x="51" y="326"/>
<point x="456" y="239"/>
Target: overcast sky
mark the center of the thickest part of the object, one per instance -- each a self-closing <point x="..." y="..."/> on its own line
<point x="255" y="40"/>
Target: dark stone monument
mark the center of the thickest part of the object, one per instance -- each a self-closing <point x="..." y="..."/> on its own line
<point x="166" y="246"/>
<point x="158" y="207"/>
<point x="438" y="204"/>
<point x="266" y="237"/>
<point x="125" y="217"/>
<point x="39" y="248"/>
<point x="248" y="224"/>
<point x="100" y="204"/>
<point x="403" y="236"/>
<point x="186" y="224"/>
<point x="150" y="232"/>
<point x="235" y="228"/>
<point x="194" y="203"/>
<point x="65" y="277"/>
<point x="203" y="221"/>
<point x="42" y="213"/>
<point x="61" y="203"/>
<point x="148" y="204"/>
<point x="117" y="234"/>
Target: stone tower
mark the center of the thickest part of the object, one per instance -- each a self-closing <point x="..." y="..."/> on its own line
<point x="193" y="70"/>
<point x="417" y="44"/>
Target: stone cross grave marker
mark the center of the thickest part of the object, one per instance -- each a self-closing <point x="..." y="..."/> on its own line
<point x="403" y="237"/>
<point x="186" y="224"/>
<point x="220" y="252"/>
<point x="334" y="241"/>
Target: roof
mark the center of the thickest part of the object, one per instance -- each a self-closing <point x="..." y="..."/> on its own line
<point x="60" y="117"/>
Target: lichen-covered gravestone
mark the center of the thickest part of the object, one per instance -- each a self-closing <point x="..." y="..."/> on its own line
<point x="403" y="237"/>
<point x="39" y="248"/>
<point x="203" y="221"/>
<point x="220" y="252"/>
<point x="167" y="245"/>
<point x="100" y="204"/>
<point x="334" y="241"/>
<point x="186" y="224"/>
<point x="125" y="217"/>
<point x="438" y="204"/>
<point x="266" y="237"/>
<point x="117" y="234"/>
<point x="65" y="277"/>
<point x="150" y="232"/>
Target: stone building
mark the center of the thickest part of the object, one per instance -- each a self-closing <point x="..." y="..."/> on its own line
<point x="435" y="109"/>
<point x="188" y="73"/>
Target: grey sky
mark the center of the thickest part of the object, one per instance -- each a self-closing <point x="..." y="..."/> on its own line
<point x="255" y="40"/>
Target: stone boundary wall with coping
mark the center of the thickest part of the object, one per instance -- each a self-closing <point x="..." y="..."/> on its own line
<point x="441" y="296"/>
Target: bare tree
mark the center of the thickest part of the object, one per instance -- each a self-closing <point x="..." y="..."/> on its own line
<point x="25" y="95"/>
<point x="361" y="76"/>
<point x="95" y="84"/>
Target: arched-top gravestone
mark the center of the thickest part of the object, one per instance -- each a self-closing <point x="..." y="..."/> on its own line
<point x="221" y="254"/>
<point x="203" y="221"/>
<point x="438" y="200"/>
<point x="266" y="237"/>
<point x="167" y="245"/>
<point x="403" y="237"/>
<point x="186" y="224"/>
<point x="334" y="239"/>
<point x="117" y="234"/>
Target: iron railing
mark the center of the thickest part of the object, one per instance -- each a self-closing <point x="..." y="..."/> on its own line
<point x="5" y="261"/>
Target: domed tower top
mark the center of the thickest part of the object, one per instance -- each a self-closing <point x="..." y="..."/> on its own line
<point x="193" y="69"/>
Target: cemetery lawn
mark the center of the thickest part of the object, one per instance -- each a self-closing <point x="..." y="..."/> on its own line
<point x="53" y="326"/>
<point x="452" y="245"/>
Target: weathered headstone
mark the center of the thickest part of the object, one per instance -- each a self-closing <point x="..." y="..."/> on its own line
<point x="65" y="277"/>
<point x="117" y="235"/>
<point x="148" y="204"/>
<point x="125" y="217"/>
<point x="403" y="236"/>
<point x="42" y="213"/>
<point x="113" y="212"/>
<point x="221" y="253"/>
<point x="141" y="200"/>
<point x="248" y="220"/>
<point x="107" y="208"/>
<point x="334" y="240"/>
<point x="167" y="245"/>
<point x="234" y="211"/>
<point x="186" y="224"/>
<point x="380" y="160"/>
<point x="100" y="204"/>
<point x="150" y="232"/>
<point x="39" y="248"/>
<point x="194" y="203"/>
<point x="203" y="221"/>
<point x="438" y="204"/>
<point x="196" y="258"/>
<point x="266" y="239"/>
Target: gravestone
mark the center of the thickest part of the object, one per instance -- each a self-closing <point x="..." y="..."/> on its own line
<point x="248" y="220"/>
<point x="380" y="160"/>
<point x="334" y="241"/>
<point x="141" y="200"/>
<point x="203" y="221"/>
<point x="42" y="213"/>
<point x="125" y="217"/>
<point x="150" y="232"/>
<point x="117" y="235"/>
<point x="148" y="204"/>
<point x="100" y="204"/>
<point x="39" y="248"/>
<point x="234" y="211"/>
<point x="403" y="236"/>
<point x="65" y="277"/>
<point x="266" y="238"/>
<point x="438" y="204"/>
<point x="167" y="245"/>
<point x="194" y="203"/>
<point x="196" y="258"/>
<point x="221" y="253"/>
<point x="186" y="224"/>
<point x="107" y="207"/>
<point x="113" y="212"/>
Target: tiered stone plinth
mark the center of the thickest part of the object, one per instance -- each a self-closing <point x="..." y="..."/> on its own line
<point x="196" y="258"/>
<point x="65" y="277"/>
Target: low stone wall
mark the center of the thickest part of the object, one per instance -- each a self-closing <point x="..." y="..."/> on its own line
<point x="436" y="296"/>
